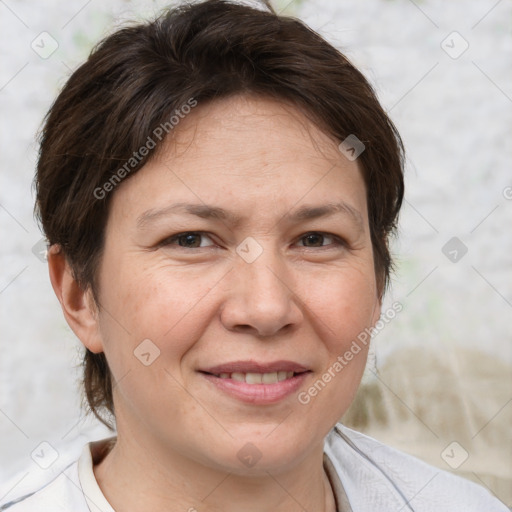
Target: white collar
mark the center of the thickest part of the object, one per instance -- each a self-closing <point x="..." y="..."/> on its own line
<point x="94" y="497"/>
<point x="97" y="502"/>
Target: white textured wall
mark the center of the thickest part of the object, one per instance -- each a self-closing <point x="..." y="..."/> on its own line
<point x="444" y="363"/>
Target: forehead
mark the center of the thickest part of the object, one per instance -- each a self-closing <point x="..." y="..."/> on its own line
<point x="246" y="125"/>
<point x="246" y="153"/>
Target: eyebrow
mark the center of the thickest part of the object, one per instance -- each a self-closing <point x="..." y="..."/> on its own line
<point x="203" y="211"/>
<point x="314" y="212"/>
<point x="206" y="211"/>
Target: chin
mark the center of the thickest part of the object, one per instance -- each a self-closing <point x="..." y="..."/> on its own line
<point x="257" y="452"/>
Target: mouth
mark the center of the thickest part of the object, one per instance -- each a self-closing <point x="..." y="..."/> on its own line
<point x="257" y="383"/>
<point x="256" y="378"/>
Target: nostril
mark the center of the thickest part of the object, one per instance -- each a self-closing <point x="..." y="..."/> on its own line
<point x="244" y="328"/>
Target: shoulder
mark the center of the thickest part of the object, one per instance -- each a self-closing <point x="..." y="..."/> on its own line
<point x="376" y="476"/>
<point x="63" y="493"/>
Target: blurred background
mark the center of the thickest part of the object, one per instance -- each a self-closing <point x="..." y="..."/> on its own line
<point x="439" y="379"/>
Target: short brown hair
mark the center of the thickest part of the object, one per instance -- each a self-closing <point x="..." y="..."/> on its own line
<point x="133" y="82"/>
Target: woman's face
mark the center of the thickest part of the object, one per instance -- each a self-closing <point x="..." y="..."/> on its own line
<point x="239" y="255"/>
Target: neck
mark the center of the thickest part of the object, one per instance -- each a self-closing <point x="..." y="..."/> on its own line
<point x="142" y="477"/>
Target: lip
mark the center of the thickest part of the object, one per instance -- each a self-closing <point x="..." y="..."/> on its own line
<point x="257" y="394"/>
<point x="256" y="367"/>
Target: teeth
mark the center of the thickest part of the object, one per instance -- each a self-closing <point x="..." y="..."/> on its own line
<point x="269" y="378"/>
<point x="257" y="378"/>
<point x="253" y="378"/>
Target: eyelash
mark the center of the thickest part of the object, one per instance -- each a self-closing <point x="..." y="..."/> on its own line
<point x="174" y="238"/>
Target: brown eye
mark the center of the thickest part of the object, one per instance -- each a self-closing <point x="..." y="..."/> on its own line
<point x="313" y="240"/>
<point x="317" y="240"/>
<point x="189" y="240"/>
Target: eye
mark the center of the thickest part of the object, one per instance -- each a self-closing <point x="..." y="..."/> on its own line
<point x="189" y="240"/>
<point x="316" y="239"/>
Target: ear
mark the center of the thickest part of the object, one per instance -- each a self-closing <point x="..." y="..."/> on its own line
<point x="77" y="304"/>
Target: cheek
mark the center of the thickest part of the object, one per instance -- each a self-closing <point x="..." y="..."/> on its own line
<point x="157" y="304"/>
<point x="344" y="301"/>
<point x="151" y="318"/>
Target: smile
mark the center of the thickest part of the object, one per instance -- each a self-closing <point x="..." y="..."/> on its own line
<point x="257" y="378"/>
<point x="257" y="383"/>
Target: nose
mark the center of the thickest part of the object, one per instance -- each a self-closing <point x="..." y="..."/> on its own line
<point x="261" y="300"/>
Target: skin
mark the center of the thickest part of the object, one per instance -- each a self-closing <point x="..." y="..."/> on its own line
<point x="303" y="299"/>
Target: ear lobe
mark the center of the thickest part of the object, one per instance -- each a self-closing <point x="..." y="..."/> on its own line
<point x="77" y="304"/>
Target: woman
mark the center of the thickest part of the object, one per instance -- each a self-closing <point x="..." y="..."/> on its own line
<point x="218" y="188"/>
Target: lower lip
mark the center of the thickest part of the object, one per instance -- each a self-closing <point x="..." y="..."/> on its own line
<point x="258" y="393"/>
